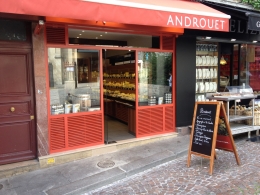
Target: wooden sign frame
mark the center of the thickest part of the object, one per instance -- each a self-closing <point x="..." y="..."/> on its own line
<point x="210" y="154"/>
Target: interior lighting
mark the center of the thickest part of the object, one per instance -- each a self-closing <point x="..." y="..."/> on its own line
<point x="83" y="31"/>
<point x="77" y="37"/>
<point x="233" y="39"/>
<point x="208" y="37"/>
<point x="254" y="41"/>
<point x="222" y="61"/>
<point x="80" y="34"/>
<point x="101" y="35"/>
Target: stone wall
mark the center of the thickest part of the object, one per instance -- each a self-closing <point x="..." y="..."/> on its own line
<point x="40" y="90"/>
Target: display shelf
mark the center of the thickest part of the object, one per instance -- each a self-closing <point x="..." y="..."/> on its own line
<point x="120" y="78"/>
<point x="238" y="118"/>
<point x="213" y="53"/>
<point x="235" y="94"/>
<point x="237" y="128"/>
<point x="206" y="69"/>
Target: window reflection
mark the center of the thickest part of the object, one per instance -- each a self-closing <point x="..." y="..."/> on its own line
<point x="154" y="78"/>
<point x="74" y="80"/>
<point x="11" y="30"/>
<point x="250" y="66"/>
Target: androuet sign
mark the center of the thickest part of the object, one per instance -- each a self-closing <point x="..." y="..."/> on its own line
<point x="197" y="22"/>
<point x="254" y="23"/>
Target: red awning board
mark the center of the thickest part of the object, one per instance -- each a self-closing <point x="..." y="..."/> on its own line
<point x="165" y="13"/>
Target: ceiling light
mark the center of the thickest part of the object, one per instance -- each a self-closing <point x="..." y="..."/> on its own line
<point x="79" y="34"/>
<point x="208" y="37"/>
<point x="96" y="37"/>
<point x="254" y="41"/>
<point x="101" y="35"/>
<point x="77" y="37"/>
<point x="223" y="61"/>
<point x="83" y="31"/>
<point x="106" y="32"/>
<point x="233" y="39"/>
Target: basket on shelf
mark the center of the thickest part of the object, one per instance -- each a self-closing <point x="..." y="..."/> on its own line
<point x="256" y="117"/>
<point x="239" y="113"/>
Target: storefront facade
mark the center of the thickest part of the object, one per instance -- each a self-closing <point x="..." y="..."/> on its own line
<point x="239" y="47"/>
<point x="75" y="79"/>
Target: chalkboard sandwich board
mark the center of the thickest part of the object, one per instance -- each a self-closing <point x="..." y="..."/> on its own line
<point x="204" y="131"/>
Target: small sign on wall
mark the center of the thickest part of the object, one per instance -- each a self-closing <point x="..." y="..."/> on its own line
<point x="50" y="161"/>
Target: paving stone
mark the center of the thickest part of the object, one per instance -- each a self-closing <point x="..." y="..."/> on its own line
<point x="175" y="178"/>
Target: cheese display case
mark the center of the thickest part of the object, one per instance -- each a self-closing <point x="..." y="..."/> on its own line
<point x="119" y="81"/>
<point x="206" y="69"/>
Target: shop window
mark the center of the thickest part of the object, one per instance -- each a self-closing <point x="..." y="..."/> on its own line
<point x="154" y="78"/>
<point x="112" y="39"/>
<point x="11" y="30"/>
<point x="74" y="80"/>
<point x="250" y="66"/>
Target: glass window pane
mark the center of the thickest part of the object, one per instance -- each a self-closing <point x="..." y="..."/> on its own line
<point x="154" y="78"/>
<point x="11" y="30"/>
<point x="74" y="80"/>
<point x="251" y="66"/>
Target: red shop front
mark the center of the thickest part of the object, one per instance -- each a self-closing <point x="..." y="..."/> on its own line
<point x="109" y="61"/>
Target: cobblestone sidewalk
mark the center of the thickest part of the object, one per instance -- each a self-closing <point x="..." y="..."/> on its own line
<point x="175" y="178"/>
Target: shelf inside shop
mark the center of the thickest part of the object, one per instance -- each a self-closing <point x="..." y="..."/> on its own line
<point x="214" y="53"/>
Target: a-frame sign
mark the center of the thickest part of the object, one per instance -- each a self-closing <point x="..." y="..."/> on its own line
<point x="204" y="134"/>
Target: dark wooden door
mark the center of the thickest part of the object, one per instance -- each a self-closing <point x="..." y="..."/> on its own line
<point x="17" y="124"/>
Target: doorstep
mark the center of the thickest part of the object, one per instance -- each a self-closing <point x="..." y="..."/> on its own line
<point x="18" y="168"/>
<point x="73" y="155"/>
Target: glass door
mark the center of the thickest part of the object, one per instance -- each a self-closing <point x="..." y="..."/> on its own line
<point x="119" y="94"/>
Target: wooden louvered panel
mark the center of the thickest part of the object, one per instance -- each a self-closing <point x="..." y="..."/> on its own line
<point x="167" y="43"/>
<point x="57" y="134"/>
<point x="156" y="120"/>
<point x="94" y="129"/>
<point x="144" y="124"/>
<point x="84" y="130"/>
<point x="55" y="35"/>
<point x="150" y="121"/>
<point x="169" y="126"/>
<point x="76" y="131"/>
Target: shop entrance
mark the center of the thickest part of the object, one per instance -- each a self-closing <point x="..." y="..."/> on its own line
<point x="17" y="124"/>
<point x="119" y="94"/>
